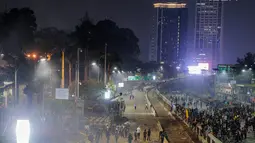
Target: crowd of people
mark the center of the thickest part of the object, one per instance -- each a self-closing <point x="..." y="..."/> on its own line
<point x="95" y="133"/>
<point x="228" y="124"/>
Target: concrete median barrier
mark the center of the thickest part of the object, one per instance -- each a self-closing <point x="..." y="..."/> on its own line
<point x="150" y="106"/>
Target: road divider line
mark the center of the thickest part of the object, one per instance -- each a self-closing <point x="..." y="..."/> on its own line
<point x="139" y="113"/>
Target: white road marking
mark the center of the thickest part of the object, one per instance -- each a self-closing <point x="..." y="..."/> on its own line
<point x="138" y="113"/>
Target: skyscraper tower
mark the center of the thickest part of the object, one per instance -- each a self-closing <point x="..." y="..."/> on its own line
<point x="169" y="34"/>
<point x="208" y="32"/>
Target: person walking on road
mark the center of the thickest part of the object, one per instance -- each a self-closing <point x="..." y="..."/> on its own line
<point x="149" y="135"/>
<point x="146" y="106"/>
<point x="135" y="106"/>
<point x="135" y="135"/>
<point x="138" y="130"/>
<point x="116" y="136"/>
<point x="107" y="134"/>
<point x="130" y="138"/>
<point x="144" y="135"/>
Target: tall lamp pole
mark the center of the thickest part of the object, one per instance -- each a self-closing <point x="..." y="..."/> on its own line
<point x="63" y="70"/>
<point x="105" y="56"/>
<point x="78" y="72"/>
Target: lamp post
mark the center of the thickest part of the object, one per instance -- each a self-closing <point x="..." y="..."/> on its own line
<point x="78" y="72"/>
<point x="105" y="53"/>
<point x="98" y="71"/>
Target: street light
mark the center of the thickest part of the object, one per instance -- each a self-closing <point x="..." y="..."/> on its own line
<point x="42" y="59"/>
<point x="243" y="70"/>
<point x="93" y="64"/>
<point x="34" y="56"/>
<point x="98" y="72"/>
<point x="115" y="68"/>
<point x="107" y="94"/>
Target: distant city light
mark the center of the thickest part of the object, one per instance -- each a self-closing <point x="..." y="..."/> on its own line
<point x="107" y="94"/>
<point x="154" y="77"/>
<point x="194" y="70"/>
<point x="121" y="84"/>
<point x="115" y="68"/>
<point x="243" y="70"/>
<point x="203" y="66"/>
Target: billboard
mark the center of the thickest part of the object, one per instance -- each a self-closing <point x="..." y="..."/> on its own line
<point x="62" y="93"/>
<point x="194" y="70"/>
<point x="203" y="66"/>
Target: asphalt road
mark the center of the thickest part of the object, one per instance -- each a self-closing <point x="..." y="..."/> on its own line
<point x="140" y="117"/>
<point x="175" y="129"/>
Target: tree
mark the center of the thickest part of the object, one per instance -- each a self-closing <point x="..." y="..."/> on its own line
<point x="247" y="61"/>
<point x="20" y="23"/>
<point x="81" y="38"/>
<point x="122" y="44"/>
<point x="89" y="90"/>
<point x="18" y="27"/>
<point x="50" y="40"/>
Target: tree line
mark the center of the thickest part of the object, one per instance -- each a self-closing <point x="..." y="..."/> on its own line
<point x="20" y="34"/>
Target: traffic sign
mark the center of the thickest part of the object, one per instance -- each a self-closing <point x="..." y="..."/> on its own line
<point x="62" y="93"/>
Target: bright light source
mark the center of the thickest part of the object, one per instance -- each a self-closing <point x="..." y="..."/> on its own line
<point x="115" y="68"/>
<point x="34" y="55"/>
<point x="122" y="71"/>
<point x="178" y="68"/>
<point x="107" y="94"/>
<point x="23" y="131"/>
<point x="118" y="71"/>
<point x="194" y="70"/>
<point x="43" y="59"/>
<point x="243" y="70"/>
<point x="250" y="69"/>
<point x="113" y="71"/>
<point x="121" y="84"/>
<point x="154" y="77"/>
<point x="203" y="66"/>
<point x="2" y="54"/>
<point x="93" y="64"/>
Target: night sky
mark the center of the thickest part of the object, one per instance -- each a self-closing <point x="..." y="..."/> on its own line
<point x="239" y="21"/>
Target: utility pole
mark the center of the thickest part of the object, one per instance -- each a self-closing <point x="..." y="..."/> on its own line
<point x="98" y="75"/>
<point x="16" y="86"/>
<point x="63" y="70"/>
<point x="16" y="95"/>
<point x="78" y="72"/>
<point x="105" y="56"/>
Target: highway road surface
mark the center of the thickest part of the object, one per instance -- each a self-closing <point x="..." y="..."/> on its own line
<point x="140" y="117"/>
<point x="175" y="129"/>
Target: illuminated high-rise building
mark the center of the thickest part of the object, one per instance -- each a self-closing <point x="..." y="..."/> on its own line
<point x="169" y="32"/>
<point x="208" y="32"/>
